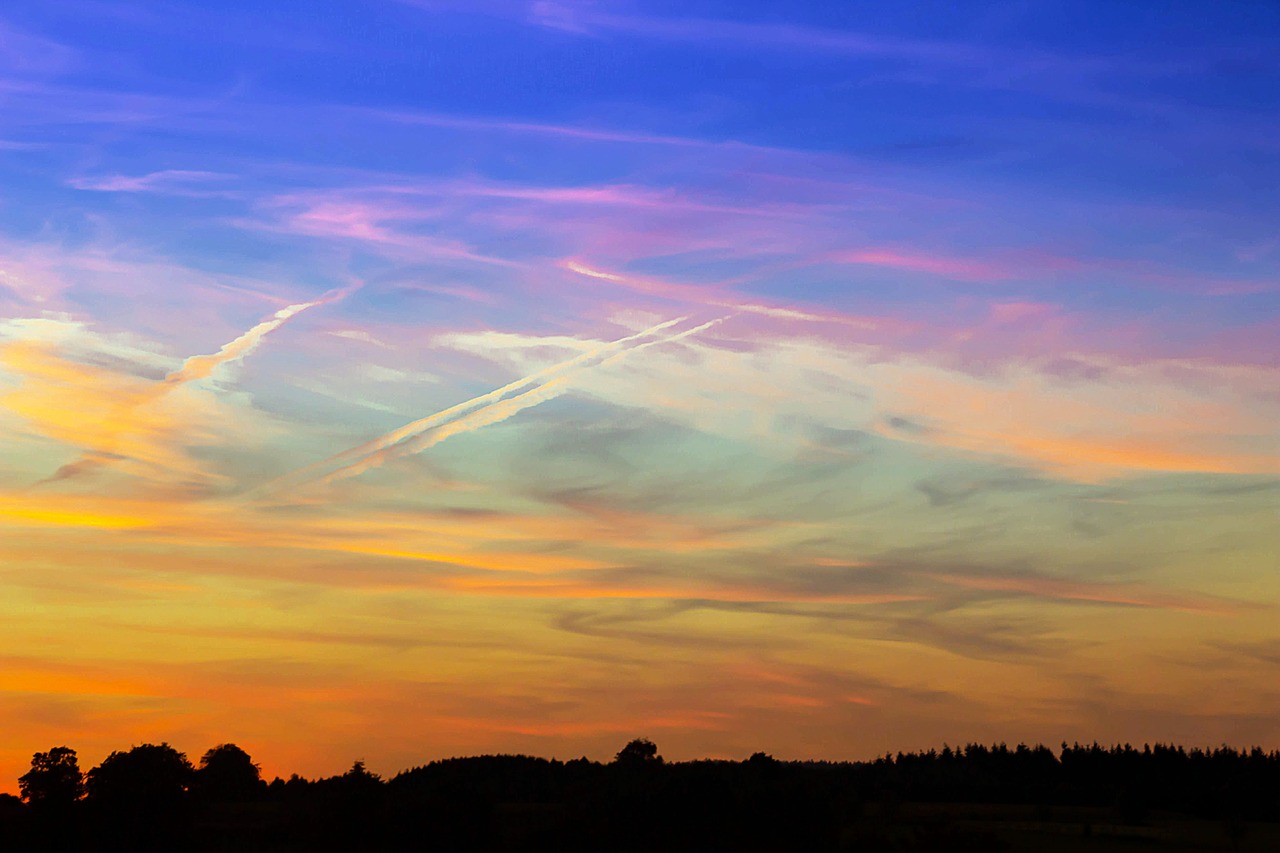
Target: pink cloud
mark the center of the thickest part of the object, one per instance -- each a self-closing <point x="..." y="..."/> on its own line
<point x="1037" y="264"/>
<point x="963" y="269"/>
<point x="1254" y="343"/>
<point x="624" y="195"/>
<point x="769" y="315"/>
<point x="1007" y="313"/>
<point x="380" y="222"/>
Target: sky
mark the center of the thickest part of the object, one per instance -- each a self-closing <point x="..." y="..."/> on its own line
<point x="401" y="380"/>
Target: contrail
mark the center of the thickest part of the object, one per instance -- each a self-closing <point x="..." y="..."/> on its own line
<point x="692" y="293"/>
<point x="676" y="337"/>
<point x="194" y="368"/>
<point x="201" y="366"/>
<point x="347" y="458"/>
<point x="495" y="412"/>
<point x="491" y="414"/>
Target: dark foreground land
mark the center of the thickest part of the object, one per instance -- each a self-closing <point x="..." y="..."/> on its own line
<point x="978" y="798"/>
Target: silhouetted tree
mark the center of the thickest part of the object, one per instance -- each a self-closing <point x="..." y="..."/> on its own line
<point x="640" y="752"/>
<point x="148" y="775"/>
<point x="54" y="780"/>
<point x="13" y="825"/>
<point x="360" y="775"/>
<point x="228" y="774"/>
<point x="139" y="799"/>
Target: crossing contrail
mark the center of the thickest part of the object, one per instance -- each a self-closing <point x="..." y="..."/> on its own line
<point x="487" y="409"/>
<point x="346" y="458"/>
<point x="496" y="412"/>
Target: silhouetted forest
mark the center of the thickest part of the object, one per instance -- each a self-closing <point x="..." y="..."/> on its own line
<point x="977" y="797"/>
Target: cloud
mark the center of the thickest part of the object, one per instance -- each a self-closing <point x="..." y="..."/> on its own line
<point x="50" y="276"/>
<point x="1120" y="420"/>
<point x="715" y="297"/>
<point x="104" y="413"/>
<point x="382" y="223"/>
<point x="950" y="491"/>
<point x="1068" y="590"/>
<point x="585" y="19"/>
<point x="28" y="54"/>
<point x="362" y="336"/>
<point x="1264" y="651"/>
<point x="1178" y="423"/>
<point x="167" y="181"/>
<point x="947" y="267"/>
<point x="501" y="410"/>
<point x="116" y="416"/>
<point x="202" y="366"/>
<point x="515" y="126"/>
<point x="483" y="410"/>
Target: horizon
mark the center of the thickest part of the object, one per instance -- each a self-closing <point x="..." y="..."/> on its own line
<point x="444" y="378"/>
<point x="975" y="797"/>
<point x="966" y="750"/>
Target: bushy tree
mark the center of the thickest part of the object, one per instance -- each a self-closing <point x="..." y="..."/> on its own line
<point x="151" y="776"/>
<point x="54" y="779"/>
<point x="228" y="774"/>
<point x="640" y="752"/>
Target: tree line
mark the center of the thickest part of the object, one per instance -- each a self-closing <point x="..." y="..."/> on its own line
<point x="152" y="797"/>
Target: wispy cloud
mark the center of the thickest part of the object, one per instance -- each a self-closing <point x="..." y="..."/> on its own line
<point x="26" y="53"/>
<point x="202" y="366"/>
<point x="167" y="181"/>
<point x="1062" y="589"/>
<point x="947" y="267"/>
<point x="130" y="426"/>
<point x="585" y="19"/>
<point x="714" y="296"/>
<point x="505" y="125"/>
<point x="484" y="410"/>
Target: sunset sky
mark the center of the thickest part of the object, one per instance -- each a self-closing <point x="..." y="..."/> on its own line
<point x="402" y="380"/>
